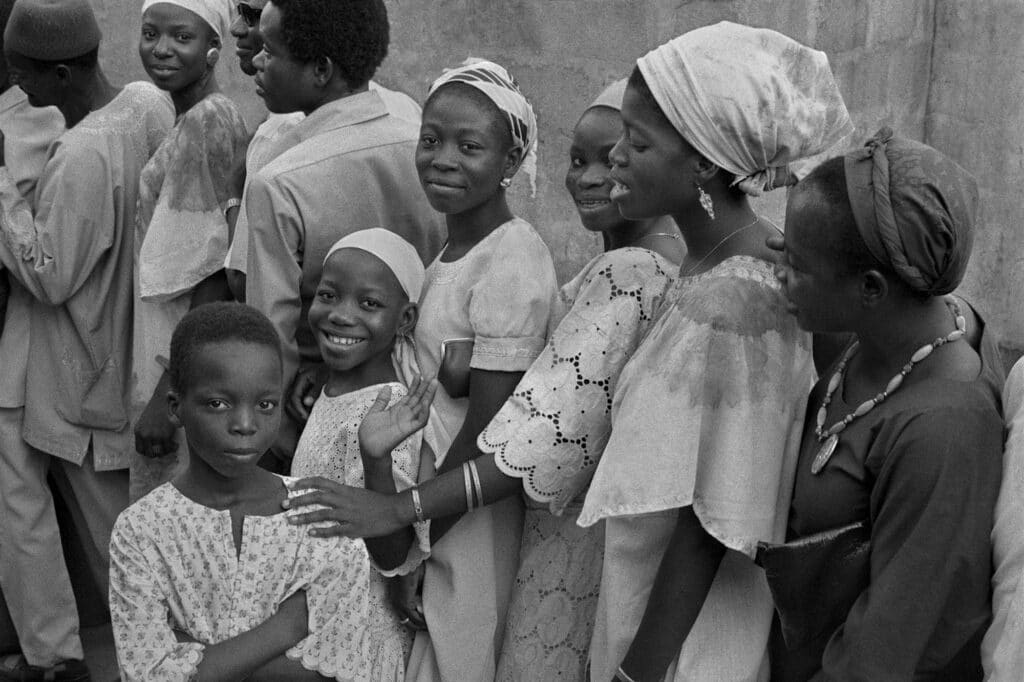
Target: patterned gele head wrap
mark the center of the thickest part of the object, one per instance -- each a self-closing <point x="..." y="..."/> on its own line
<point x="915" y="208"/>
<point x="499" y="86"/>
<point x="750" y="100"/>
<point x="396" y="253"/>
<point x="216" y="13"/>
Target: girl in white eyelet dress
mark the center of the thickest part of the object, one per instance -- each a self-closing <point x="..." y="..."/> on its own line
<point x="362" y="322"/>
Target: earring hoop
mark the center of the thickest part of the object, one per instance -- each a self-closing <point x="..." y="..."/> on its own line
<point x="505" y="182"/>
<point x="705" y="201"/>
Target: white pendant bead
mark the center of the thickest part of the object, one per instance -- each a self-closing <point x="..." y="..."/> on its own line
<point x="894" y="383"/>
<point x="921" y="353"/>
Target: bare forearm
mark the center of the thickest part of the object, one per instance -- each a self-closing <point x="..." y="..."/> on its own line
<point x="212" y="289"/>
<point x="240" y="656"/>
<point x="683" y="581"/>
<point x="388" y="551"/>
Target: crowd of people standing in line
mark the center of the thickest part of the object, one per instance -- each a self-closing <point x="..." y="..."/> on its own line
<point x="722" y="451"/>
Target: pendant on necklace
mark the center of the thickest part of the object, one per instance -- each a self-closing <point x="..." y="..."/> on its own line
<point x="824" y="453"/>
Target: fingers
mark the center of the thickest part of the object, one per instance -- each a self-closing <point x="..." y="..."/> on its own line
<point x="319" y="482"/>
<point x="414" y="612"/>
<point x="333" y="531"/>
<point x="315" y="516"/>
<point x="296" y="404"/>
<point x="382" y="399"/>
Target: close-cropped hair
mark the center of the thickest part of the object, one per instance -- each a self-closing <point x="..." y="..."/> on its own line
<point x="213" y="323"/>
<point x="353" y="34"/>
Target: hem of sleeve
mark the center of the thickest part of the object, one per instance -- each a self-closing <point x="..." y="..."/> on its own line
<point x="313" y="663"/>
<point x="507" y="354"/>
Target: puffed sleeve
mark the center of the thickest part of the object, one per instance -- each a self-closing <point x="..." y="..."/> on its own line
<point x="1002" y="651"/>
<point x="147" y="649"/>
<point x="338" y="644"/>
<point x="553" y="429"/>
<point x="931" y="514"/>
<point x="512" y="302"/>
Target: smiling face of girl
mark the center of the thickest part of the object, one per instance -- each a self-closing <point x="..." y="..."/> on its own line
<point x="589" y="176"/>
<point x="359" y="309"/>
<point x="173" y="46"/>
<point x="465" y="150"/>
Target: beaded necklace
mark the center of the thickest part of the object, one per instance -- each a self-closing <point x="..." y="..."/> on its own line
<point x="830" y="438"/>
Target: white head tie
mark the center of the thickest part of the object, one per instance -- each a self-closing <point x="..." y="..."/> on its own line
<point x="216" y="13"/>
<point x="750" y="100"/>
<point x="399" y="255"/>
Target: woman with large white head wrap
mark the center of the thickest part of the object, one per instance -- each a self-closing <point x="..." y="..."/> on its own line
<point x="706" y="415"/>
<point x="181" y="233"/>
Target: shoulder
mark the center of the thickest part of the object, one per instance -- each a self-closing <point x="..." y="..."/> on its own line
<point x="214" y="111"/>
<point x="521" y="240"/>
<point x="740" y="296"/>
<point x="161" y="502"/>
<point x="628" y="267"/>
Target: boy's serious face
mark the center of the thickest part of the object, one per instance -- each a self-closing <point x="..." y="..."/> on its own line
<point x="285" y="83"/>
<point x="231" y="409"/>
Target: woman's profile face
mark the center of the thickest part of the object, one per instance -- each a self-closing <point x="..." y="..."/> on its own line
<point x="653" y="164"/>
<point x="173" y="46"/>
<point x="819" y="294"/>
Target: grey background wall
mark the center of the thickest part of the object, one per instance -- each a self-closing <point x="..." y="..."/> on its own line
<point x="947" y="72"/>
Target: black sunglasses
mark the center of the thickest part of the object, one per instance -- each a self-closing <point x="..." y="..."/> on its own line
<point x="250" y="15"/>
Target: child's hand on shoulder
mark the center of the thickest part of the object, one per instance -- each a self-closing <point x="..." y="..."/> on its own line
<point x="384" y="428"/>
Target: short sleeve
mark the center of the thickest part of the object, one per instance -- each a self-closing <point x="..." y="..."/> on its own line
<point x="1003" y="648"/>
<point x="709" y="411"/>
<point x="512" y="302"/>
<point x="146" y="646"/>
<point x="338" y="644"/>
<point x="553" y="429"/>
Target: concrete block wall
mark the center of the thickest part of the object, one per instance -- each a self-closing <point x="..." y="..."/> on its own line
<point x="949" y="72"/>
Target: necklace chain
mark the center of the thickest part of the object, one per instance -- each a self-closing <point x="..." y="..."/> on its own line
<point x="729" y="236"/>
<point x="894" y="383"/>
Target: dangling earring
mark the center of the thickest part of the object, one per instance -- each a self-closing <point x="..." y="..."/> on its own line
<point x="212" y="57"/>
<point x="705" y="201"/>
<point x="505" y="182"/>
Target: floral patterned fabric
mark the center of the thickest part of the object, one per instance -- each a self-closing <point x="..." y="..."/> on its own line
<point x="551" y="432"/>
<point x="174" y="567"/>
<point x="330" y="447"/>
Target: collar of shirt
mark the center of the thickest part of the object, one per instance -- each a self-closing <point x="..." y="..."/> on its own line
<point x="347" y="111"/>
<point x="11" y="97"/>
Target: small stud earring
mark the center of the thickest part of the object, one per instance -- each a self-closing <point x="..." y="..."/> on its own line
<point x="705" y="201"/>
<point x="505" y="182"/>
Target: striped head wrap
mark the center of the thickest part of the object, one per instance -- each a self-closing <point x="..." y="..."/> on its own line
<point x="216" y="13"/>
<point x="501" y="88"/>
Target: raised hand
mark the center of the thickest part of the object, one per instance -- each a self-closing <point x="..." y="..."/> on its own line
<point x="384" y="428"/>
<point x="304" y="391"/>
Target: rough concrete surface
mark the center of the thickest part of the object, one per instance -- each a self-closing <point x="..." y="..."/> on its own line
<point x="947" y="72"/>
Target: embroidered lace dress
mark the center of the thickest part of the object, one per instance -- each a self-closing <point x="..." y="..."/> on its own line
<point x="330" y="447"/>
<point x="551" y="433"/>
<point x="173" y="567"/>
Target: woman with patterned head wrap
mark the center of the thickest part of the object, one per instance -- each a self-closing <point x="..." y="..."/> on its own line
<point x="185" y="190"/>
<point x="903" y="432"/>
<point x="707" y="412"/>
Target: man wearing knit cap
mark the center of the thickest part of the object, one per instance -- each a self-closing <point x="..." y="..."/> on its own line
<point x="30" y="130"/>
<point x="73" y="253"/>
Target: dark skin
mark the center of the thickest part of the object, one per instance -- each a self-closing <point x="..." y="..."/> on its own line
<point x="77" y="91"/>
<point x="444" y="496"/>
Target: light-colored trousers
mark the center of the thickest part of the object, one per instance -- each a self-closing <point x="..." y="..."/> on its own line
<point x="33" y="573"/>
